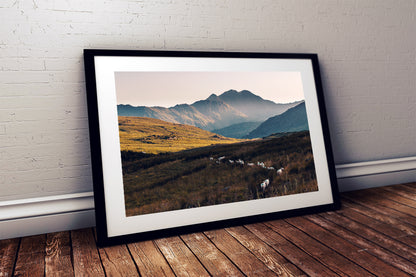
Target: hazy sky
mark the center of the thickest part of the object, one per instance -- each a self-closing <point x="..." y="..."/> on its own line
<point x="168" y="89"/>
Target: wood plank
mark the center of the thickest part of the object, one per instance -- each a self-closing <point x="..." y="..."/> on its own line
<point x="58" y="255"/>
<point x="85" y="254"/>
<point x="377" y="206"/>
<point x="213" y="260"/>
<point x="380" y="226"/>
<point x="265" y="253"/>
<point x="380" y="216"/>
<point x="410" y="187"/>
<point x="182" y="261"/>
<point x="8" y="254"/>
<point x="347" y="249"/>
<point x="31" y="257"/>
<point x="365" y="245"/>
<point x="367" y="195"/>
<point x="249" y="264"/>
<point x="395" y="196"/>
<point x="376" y="230"/>
<point x="149" y="260"/>
<point x="327" y="256"/>
<point x="384" y="241"/>
<point x="291" y="252"/>
<point x="117" y="261"/>
<point x="404" y="191"/>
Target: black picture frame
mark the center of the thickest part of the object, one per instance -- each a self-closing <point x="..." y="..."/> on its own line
<point x="114" y="226"/>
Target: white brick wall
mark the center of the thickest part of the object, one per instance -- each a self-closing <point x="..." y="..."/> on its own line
<point x="366" y="49"/>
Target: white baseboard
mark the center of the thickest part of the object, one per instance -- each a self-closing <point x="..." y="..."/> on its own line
<point x="375" y="167"/>
<point x="41" y="215"/>
<point x="25" y="217"/>
<point x="364" y="175"/>
<point x="49" y="205"/>
<point x="376" y="180"/>
<point x="46" y="224"/>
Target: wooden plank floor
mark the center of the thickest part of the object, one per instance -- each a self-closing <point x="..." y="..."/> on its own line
<point x="372" y="235"/>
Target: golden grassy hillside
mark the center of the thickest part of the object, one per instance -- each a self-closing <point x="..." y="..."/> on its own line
<point x="197" y="177"/>
<point x="143" y="134"/>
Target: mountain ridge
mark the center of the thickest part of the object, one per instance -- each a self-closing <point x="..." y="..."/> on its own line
<point x="292" y="120"/>
<point x="239" y="130"/>
<point x="214" y="112"/>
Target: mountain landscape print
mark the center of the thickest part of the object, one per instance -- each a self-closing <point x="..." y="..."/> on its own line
<point x="193" y="139"/>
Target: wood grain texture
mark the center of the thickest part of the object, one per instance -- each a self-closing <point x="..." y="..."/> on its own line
<point x="380" y="226"/>
<point x="402" y="190"/>
<point x="373" y="234"/>
<point x="149" y="260"/>
<point x="249" y="264"/>
<point x="380" y="216"/>
<point x="58" y="255"/>
<point x="356" y="254"/>
<point x="180" y="258"/>
<point x="379" y="238"/>
<point x="8" y="254"/>
<point x="380" y="205"/>
<point x="295" y="255"/>
<point x="31" y="257"/>
<point x="265" y="253"/>
<point x="385" y="201"/>
<point x="397" y="196"/>
<point x="410" y="188"/>
<point x="117" y="261"/>
<point x="365" y="245"/>
<point x="213" y="260"/>
<point x="85" y="254"/>
<point x="325" y="255"/>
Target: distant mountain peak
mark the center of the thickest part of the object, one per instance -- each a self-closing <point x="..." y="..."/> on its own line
<point x="247" y="92"/>
<point x="213" y="97"/>
<point x="244" y="95"/>
<point x="230" y="92"/>
<point x="233" y="92"/>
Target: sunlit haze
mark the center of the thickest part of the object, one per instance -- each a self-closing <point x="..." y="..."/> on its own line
<point x="167" y="89"/>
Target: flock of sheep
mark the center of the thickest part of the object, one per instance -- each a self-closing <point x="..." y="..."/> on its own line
<point x="265" y="183"/>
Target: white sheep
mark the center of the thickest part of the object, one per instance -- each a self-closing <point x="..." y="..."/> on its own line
<point x="231" y="161"/>
<point x="261" y="164"/>
<point x="221" y="158"/>
<point x="240" y="161"/>
<point x="265" y="184"/>
<point x="270" y="168"/>
<point x="250" y="164"/>
<point x="280" y="171"/>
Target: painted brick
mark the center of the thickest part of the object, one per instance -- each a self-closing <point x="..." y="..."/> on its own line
<point x="366" y="50"/>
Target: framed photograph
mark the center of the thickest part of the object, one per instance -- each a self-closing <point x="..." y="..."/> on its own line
<point x="190" y="141"/>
